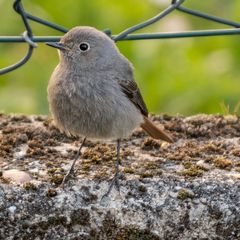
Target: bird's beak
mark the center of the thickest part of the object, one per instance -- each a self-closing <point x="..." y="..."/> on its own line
<point x="57" y="45"/>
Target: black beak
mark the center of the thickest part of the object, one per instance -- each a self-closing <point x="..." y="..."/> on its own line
<point x="57" y="45"/>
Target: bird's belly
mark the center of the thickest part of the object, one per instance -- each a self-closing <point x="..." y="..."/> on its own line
<point x="98" y="117"/>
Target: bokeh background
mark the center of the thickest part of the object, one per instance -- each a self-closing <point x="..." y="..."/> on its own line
<point x="185" y="76"/>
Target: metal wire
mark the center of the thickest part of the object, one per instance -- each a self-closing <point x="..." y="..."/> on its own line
<point x="28" y="37"/>
<point x="163" y="14"/>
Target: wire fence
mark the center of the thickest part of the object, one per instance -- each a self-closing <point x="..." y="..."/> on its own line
<point x="176" y="5"/>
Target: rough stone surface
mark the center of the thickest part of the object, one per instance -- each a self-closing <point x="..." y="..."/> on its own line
<point x="186" y="190"/>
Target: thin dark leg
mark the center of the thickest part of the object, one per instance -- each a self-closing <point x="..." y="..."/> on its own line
<point x="71" y="170"/>
<point x="115" y="180"/>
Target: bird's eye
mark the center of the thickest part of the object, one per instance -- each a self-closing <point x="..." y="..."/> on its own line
<point x="84" y="46"/>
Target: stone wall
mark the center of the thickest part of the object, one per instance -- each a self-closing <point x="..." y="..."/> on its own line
<point x="186" y="190"/>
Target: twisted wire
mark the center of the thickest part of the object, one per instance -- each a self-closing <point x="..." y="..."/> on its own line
<point x="127" y="34"/>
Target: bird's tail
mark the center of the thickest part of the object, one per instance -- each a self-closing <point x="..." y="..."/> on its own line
<point x="154" y="131"/>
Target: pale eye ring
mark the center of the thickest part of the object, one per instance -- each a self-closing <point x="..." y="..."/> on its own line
<point x="84" y="46"/>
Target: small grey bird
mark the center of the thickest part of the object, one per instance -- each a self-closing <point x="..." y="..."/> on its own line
<point x="92" y="92"/>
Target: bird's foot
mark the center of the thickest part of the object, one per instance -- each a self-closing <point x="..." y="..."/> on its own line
<point x="114" y="183"/>
<point x="70" y="175"/>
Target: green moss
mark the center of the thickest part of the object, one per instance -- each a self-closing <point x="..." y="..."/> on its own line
<point x="147" y="174"/>
<point x="151" y="165"/>
<point x="236" y="152"/>
<point x="57" y="179"/>
<point x="85" y="167"/>
<point x="223" y="163"/>
<point x="187" y="164"/>
<point x="29" y="186"/>
<point x="142" y="189"/>
<point x="101" y="174"/>
<point x="184" y="194"/>
<point x="128" y="170"/>
<point x="237" y="169"/>
<point x="193" y="171"/>
<point x="158" y="172"/>
<point x="55" y="170"/>
<point x="136" y="234"/>
<point x="5" y="180"/>
<point x="150" y="144"/>
<point x="81" y="217"/>
<point x="51" y="192"/>
<point x="99" y="153"/>
<point x="213" y="148"/>
<point x="110" y="229"/>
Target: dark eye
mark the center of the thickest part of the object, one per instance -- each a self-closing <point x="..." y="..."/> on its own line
<point x="84" y="46"/>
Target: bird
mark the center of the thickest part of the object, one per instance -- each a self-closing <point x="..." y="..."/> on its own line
<point x="92" y="93"/>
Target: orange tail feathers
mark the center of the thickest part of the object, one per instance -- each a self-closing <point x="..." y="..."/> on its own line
<point x="154" y="131"/>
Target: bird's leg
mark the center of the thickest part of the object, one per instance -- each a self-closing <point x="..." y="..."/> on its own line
<point x="71" y="170"/>
<point x="115" y="180"/>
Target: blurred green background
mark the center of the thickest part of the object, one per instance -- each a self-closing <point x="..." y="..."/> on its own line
<point x="185" y="76"/>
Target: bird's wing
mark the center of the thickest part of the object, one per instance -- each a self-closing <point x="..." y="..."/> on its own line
<point x="132" y="91"/>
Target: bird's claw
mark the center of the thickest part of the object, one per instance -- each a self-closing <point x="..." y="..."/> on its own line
<point x="71" y="174"/>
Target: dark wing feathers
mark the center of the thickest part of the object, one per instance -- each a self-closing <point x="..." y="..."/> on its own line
<point x="131" y="90"/>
